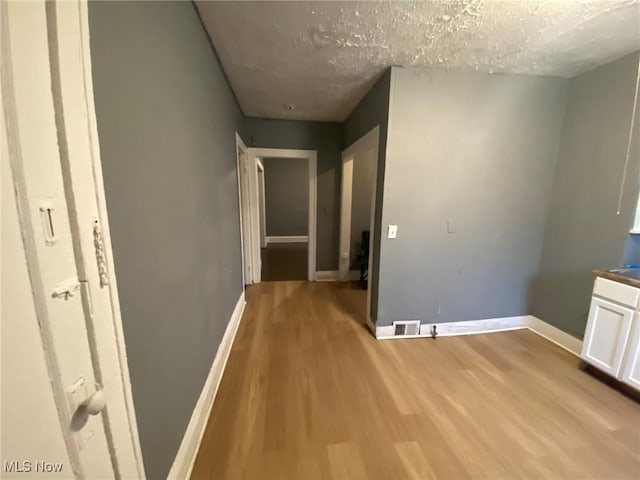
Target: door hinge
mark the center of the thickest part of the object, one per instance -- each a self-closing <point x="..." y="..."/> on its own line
<point x="98" y="243"/>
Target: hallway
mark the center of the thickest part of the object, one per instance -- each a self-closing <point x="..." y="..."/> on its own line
<point x="309" y="393"/>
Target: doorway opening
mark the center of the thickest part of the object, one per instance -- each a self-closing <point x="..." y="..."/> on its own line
<point x="357" y="216"/>
<point x="284" y="208"/>
<point x="278" y="211"/>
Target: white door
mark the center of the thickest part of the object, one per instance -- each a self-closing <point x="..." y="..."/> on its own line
<point x="344" y="261"/>
<point x="366" y="145"/>
<point x="254" y="194"/>
<point x="245" y="202"/>
<point x="631" y="367"/>
<point x="46" y="92"/>
<point x="263" y="208"/>
<point x="357" y="207"/>
<point x="606" y="335"/>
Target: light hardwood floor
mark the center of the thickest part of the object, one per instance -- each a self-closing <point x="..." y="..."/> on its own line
<point x="309" y="393"/>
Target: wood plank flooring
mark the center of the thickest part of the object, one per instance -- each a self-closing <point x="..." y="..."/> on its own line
<point x="284" y="261"/>
<point x="309" y="393"/>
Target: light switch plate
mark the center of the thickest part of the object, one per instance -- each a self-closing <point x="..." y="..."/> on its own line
<point x="393" y="231"/>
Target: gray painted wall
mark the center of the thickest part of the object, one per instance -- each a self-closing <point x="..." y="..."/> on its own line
<point x="286" y="186"/>
<point x="480" y="151"/>
<point x="584" y="231"/>
<point x="326" y="138"/>
<point x="166" y="120"/>
<point x="372" y="111"/>
<point x="364" y="173"/>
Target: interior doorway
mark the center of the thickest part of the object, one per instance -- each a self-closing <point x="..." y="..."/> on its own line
<point x="285" y="200"/>
<point x="279" y="222"/>
<point x="357" y="216"/>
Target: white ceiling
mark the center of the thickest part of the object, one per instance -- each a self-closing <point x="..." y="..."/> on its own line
<point x="323" y="57"/>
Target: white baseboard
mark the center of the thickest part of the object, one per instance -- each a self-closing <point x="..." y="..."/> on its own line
<point x="555" y="335"/>
<point x="288" y="239"/>
<point x="186" y="456"/>
<point x="334" y="276"/>
<point x="546" y="330"/>
<point x="459" y="328"/>
<point x="327" y="276"/>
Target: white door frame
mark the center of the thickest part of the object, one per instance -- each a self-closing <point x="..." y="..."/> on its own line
<point x="263" y="207"/>
<point x="367" y="142"/>
<point x="255" y="155"/>
<point x="69" y="110"/>
<point x="243" y="207"/>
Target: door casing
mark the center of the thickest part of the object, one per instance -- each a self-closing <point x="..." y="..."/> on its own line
<point x="251" y="213"/>
<point x="369" y="141"/>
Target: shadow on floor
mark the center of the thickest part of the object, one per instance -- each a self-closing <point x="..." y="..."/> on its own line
<point x="284" y="261"/>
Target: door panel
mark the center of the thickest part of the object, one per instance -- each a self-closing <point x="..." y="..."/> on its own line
<point x="631" y="372"/>
<point x="34" y="409"/>
<point x="606" y="335"/>
<point x="60" y="281"/>
<point x="345" y="219"/>
<point x="73" y="94"/>
<point x="245" y="214"/>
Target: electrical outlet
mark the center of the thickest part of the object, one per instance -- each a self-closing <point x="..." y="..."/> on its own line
<point x="392" y="231"/>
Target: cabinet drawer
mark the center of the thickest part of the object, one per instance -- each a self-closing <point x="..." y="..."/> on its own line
<point x="618" y="292"/>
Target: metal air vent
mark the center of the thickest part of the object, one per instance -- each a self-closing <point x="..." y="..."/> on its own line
<point x="403" y="328"/>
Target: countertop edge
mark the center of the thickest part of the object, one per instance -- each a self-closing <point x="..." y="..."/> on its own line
<point x="616" y="277"/>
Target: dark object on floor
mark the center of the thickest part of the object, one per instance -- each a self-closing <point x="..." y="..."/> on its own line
<point x="363" y="259"/>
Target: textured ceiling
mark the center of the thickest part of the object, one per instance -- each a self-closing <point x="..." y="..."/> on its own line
<point x="322" y="57"/>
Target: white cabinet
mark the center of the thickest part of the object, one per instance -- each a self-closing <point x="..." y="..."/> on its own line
<point x="631" y="371"/>
<point x="612" y="338"/>
<point x="606" y="335"/>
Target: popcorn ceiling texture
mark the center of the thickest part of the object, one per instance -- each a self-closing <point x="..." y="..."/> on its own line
<point x="322" y="57"/>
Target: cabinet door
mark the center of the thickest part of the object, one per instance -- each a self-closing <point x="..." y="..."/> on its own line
<point x="631" y="367"/>
<point x="606" y="335"/>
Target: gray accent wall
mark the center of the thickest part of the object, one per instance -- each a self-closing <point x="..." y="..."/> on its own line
<point x="584" y="231"/>
<point x="286" y="191"/>
<point x="364" y="176"/>
<point x="326" y="138"/>
<point x="372" y="111"/>
<point x="166" y="120"/>
<point x="469" y="171"/>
